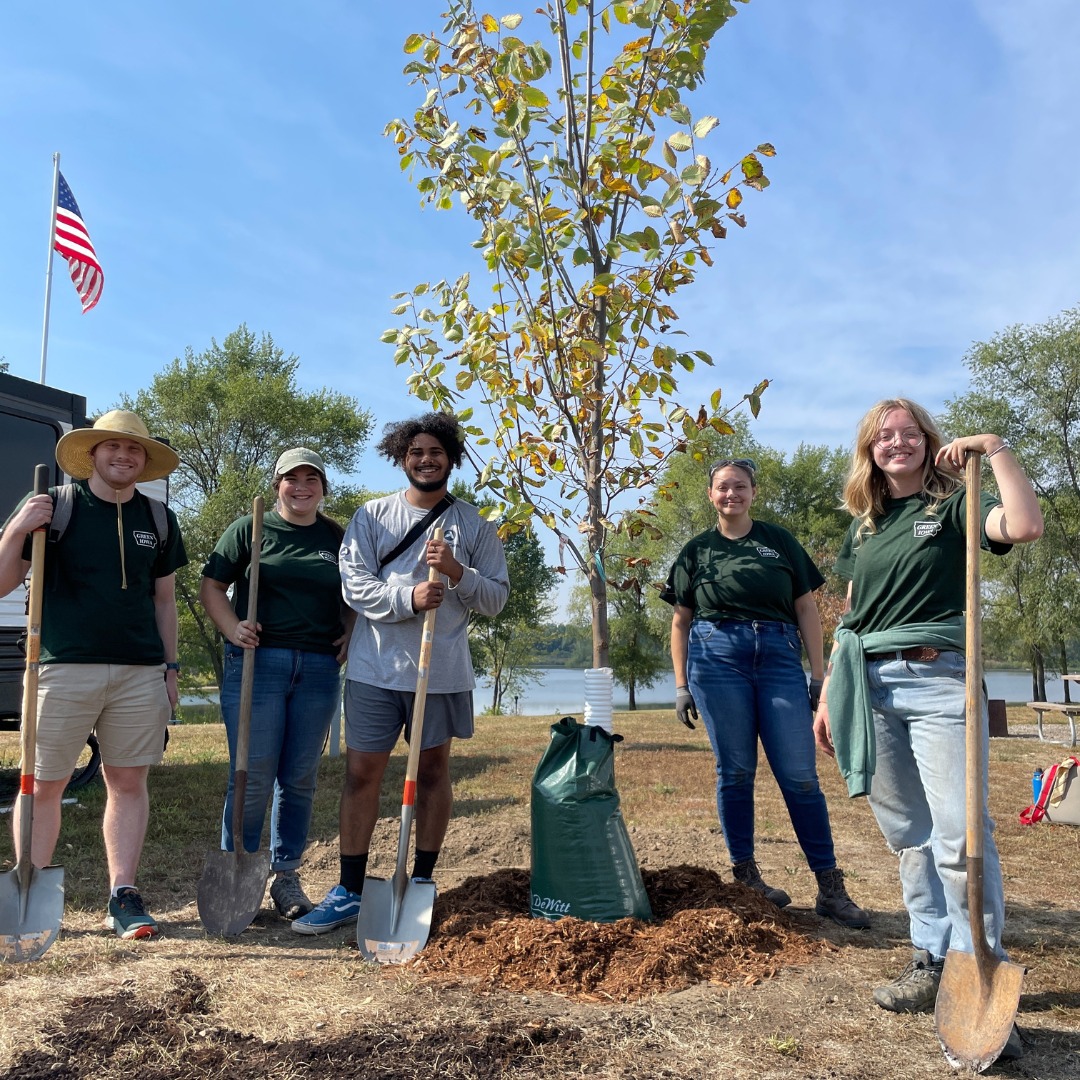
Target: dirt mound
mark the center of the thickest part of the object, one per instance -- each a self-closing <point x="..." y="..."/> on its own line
<point x="704" y="931"/>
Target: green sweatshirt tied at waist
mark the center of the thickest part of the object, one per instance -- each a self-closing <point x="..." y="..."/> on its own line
<point x="851" y="718"/>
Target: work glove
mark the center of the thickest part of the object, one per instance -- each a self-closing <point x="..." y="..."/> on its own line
<point x="684" y="706"/>
<point x="815" y="693"/>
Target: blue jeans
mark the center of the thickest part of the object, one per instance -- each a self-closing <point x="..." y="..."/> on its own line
<point x="748" y="683"/>
<point x="917" y="795"/>
<point x="294" y="699"/>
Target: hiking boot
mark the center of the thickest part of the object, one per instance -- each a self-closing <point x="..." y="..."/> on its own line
<point x="833" y="901"/>
<point x="747" y="873"/>
<point x="1014" y="1048"/>
<point x="337" y="908"/>
<point x="128" y="916"/>
<point x="289" y="897"/>
<point x="916" y="988"/>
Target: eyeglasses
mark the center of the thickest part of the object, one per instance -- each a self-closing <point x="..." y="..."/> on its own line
<point x="910" y="438"/>
<point x="743" y="463"/>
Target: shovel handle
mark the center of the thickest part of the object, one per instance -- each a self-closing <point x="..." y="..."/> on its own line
<point x="423" y="670"/>
<point x="974" y="735"/>
<point x="247" y="681"/>
<point x="30" y="683"/>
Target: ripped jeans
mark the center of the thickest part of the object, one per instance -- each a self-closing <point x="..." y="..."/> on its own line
<point x="917" y="795"/>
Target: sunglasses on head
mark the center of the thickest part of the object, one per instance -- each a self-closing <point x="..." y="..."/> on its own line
<point x="742" y="462"/>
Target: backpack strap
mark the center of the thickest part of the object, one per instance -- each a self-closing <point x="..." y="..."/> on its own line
<point x="1037" y="810"/>
<point x="407" y="540"/>
<point x="64" y="503"/>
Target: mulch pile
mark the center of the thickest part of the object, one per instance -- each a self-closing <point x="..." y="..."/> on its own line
<point x="703" y="931"/>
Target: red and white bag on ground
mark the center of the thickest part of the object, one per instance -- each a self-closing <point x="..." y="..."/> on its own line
<point x="1059" y="795"/>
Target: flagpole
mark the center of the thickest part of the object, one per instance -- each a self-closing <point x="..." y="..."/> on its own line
<point x="49" y="262"/>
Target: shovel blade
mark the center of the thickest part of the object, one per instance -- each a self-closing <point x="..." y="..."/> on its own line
<point x="231" y="890"/>
<point x="976" y="1007"/>
<point x="30" y="916"/>
<point x="392" y="932"/>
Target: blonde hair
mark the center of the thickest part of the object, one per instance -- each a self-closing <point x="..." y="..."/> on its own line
<point x="866" y="488"/>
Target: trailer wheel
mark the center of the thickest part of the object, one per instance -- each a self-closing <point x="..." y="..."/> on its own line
<point x="88" y="767"/>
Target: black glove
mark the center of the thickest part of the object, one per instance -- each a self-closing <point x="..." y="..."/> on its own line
<point x="684" y="706"/>
<point x="815" y="693"/>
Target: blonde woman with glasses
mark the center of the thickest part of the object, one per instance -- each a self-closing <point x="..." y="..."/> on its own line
<point x="893" y="707"/>
<point x="744" y="610"/>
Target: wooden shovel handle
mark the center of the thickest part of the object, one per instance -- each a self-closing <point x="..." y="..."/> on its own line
<point x="30" y="682"/>
<point x="974" y="737"/>
<point x="423" y="670"/>
<point x="247" y="681"/>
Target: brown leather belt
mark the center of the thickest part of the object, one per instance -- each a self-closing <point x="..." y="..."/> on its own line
<point x="922" y="654"/>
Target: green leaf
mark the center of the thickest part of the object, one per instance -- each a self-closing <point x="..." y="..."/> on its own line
<point x="679" y="141"/>
<point x="534" y="96"/>
<point x="511" y="22"/>
<point x="414" y="42"/>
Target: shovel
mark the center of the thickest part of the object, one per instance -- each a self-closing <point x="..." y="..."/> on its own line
<point x="31" y="899"/>
<point x="979" y="992"/>
<point x="395" y="916"/>
<point x="233" y="882"/>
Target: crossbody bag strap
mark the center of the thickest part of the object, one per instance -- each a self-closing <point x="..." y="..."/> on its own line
<point x="407" y="541"/>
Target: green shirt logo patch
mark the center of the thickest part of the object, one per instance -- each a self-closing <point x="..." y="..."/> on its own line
<point x="927" y="528"/>
<point x="145" y="539"/>
<point x="768" y="553"/>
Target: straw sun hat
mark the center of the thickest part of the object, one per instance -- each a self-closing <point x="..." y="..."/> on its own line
<point x="73" y="451"/>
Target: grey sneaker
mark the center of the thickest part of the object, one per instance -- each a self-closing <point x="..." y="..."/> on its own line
<point x="748" y="874"/>
<point x="916" y="988"/>
<point x="289" y="897"/>
<point x="128" y="916"/>
<point x="834" y="902"/>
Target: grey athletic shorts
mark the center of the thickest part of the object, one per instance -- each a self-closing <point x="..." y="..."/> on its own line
<point x="374" y="717"/>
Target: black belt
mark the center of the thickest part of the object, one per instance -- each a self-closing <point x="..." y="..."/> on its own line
<point x="921" y="653"/>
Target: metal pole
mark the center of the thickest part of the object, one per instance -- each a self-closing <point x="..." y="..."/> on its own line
<point x="48" y="264"/>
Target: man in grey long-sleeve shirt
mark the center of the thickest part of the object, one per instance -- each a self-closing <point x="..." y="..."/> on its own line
<point x="391" y="598"/>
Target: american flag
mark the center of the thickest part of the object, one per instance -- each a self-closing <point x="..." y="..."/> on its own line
<point x="73" y="243"/>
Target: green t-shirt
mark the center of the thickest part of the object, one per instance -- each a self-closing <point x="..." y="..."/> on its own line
<point x="758" y="576"/>
<point x="299" y="583"/>
<point x="911" y="570"/>
<point x="87" y="617"/>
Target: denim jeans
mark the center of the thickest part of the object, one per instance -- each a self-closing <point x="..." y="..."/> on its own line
<point x="294" y="699"/>
<point x="917" y="795"/>
<point x="748" y="683"/>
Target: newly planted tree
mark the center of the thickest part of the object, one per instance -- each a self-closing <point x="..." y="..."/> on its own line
<point x="595" y="201"/>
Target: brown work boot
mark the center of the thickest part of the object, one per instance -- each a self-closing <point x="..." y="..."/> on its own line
<point x="747" y="873"/>
<point x="833" y="901"/>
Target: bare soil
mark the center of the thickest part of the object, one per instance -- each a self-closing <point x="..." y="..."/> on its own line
<point x="720" y="983"/>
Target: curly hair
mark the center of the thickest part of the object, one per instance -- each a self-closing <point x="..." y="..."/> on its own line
<point x="866" y="488"/>
<point x="398" y="436"/>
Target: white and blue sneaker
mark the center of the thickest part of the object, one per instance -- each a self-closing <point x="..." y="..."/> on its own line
<point x="338" y="908"/>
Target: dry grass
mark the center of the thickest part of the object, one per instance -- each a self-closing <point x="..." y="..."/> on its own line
<point x="278" y="1005"/>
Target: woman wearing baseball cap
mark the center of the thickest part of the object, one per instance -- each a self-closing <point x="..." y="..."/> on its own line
<point x="301" y="640"/>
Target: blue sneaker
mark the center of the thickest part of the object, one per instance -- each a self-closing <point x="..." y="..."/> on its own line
<point x="338" y="908"/>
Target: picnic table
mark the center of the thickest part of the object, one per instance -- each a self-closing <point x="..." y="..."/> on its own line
<point x="1070" y="710"/>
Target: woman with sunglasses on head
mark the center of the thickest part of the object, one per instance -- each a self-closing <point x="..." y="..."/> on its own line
<point x="894" y="712"/>
<point x="743" y="594"/>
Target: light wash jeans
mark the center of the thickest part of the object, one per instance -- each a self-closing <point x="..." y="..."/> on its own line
<point x="917" y="795"/>
<point x="294" y="699"/>
<point x="748" y="683"/>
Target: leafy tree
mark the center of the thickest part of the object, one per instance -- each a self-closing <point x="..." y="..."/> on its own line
<point x="588" y="178"/>
<point x="638" y="646"/>
<point x="229" y="411"/>
<point x="1025" y="385"/>
<point x="504" y="646"/>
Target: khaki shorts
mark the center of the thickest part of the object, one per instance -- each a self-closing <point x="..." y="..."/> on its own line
<point x="125" y="705"/>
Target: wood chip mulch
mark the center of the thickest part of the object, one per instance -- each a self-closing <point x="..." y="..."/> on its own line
<point x="703" y="931"/>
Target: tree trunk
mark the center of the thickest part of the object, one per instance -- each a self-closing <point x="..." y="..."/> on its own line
<point x="632" y="687"/>
<point x="1065" y="671"/>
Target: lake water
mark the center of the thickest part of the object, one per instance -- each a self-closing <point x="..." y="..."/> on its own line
<point x="562" y="691"/>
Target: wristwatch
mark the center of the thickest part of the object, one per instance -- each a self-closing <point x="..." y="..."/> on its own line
<point x="172" y="667"/>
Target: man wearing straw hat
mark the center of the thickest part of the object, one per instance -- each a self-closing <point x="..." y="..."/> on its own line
<point x="108" y="640"/>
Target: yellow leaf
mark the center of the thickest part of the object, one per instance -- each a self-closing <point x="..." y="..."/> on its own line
<point x="734" y="197"/>
<point x="489" y="24"/>
<point x="413" y="43"/>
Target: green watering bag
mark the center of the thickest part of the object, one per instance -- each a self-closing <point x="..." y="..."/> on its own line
<point x="582" y="861"/>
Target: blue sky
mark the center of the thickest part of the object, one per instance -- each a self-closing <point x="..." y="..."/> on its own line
<point x="229" y="162"/>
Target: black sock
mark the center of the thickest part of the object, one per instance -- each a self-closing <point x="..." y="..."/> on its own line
<point x="424" y="864"/>
<point x="353" y="871"/>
